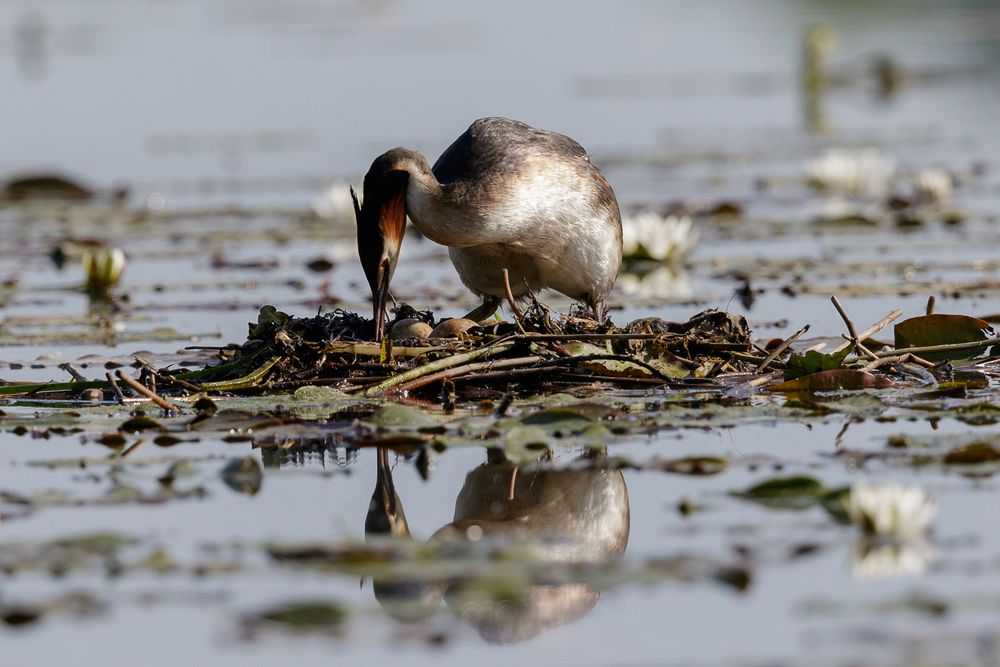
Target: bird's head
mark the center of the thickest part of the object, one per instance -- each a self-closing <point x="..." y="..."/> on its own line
<point x="381" y="218"/>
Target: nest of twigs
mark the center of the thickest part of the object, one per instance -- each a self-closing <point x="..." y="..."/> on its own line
<point x="536" y="353"/>
<point x="539" y="353"/>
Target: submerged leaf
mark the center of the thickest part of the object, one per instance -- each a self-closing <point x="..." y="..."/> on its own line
<point x="401" y="417"/>
<point x="843" y="378"/>
<point x="973" y="453"/>
<point x="243" y="475"/>
<point x="694" y="465"/>
<point x="139" y="423"/>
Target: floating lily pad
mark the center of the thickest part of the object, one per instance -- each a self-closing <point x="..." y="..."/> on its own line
<point x="321" y="617"/>
<point x="942" y="329"/>
<point x="795" y="493"/>
<point x="973" y="453"/>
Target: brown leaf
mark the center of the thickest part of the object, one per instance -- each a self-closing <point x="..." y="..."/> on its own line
<point x="939" y="329"/>
<point x="843" y="378"/>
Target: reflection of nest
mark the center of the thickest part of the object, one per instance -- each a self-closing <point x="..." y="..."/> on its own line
<point x="324" y="454"/>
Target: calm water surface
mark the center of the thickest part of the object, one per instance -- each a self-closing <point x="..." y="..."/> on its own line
<point x="231" y="104"/>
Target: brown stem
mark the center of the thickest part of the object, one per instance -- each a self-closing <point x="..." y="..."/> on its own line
<point x="145" y="391"/>
<point x="518" y="314"/>
<point x="781" y="348"/>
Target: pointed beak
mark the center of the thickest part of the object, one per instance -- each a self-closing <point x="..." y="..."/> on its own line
<point x="380" y="297"/>
<point x="381" y="222"/>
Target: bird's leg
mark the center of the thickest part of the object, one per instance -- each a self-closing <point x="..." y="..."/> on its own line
<point x="599" y="310"/>
<point x="486" y="309"/>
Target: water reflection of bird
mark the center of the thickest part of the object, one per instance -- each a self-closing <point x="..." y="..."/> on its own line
<point x="404" y="599"/>
<point x="504" y="195"/>
<point x="575" y="515"/>
<point x="385" y="512"/>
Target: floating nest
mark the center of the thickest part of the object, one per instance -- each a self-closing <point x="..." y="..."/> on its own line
<point x="536" y="353"/>
<point x="539" y="353"/>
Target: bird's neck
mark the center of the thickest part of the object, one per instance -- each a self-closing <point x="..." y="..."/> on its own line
<point x="435" y="210"/>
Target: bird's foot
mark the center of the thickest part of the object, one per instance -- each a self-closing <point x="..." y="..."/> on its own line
<point x="485" y="310"/>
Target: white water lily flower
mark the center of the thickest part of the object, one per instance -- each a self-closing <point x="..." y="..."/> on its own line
<point x="897" y="559"/>
<point x="891" y="510"/>
<point x="663" y="282"/>
<point x="856" y="171"/>
<point x="933" y="186"/>
<point x="335" y="203"/>
<point x="103" y="268"/>
<point x="664" y="239"/>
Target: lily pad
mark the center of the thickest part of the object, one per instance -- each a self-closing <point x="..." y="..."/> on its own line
<point x="973" y="453"/>
<point x="323" y="617"/>
<point x="799" y="492"/>
<point x="814" y="362"/>
<point x="942" y="329"/>
<point x="244" y="475"/>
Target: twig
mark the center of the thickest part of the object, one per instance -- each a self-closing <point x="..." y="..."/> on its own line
<point x="145" y="391"/>
<point x="374" y="349"/>
<point x="74" y="372"/>
<point x="873" y="329"/>
<point x="931" y="302"/>
<point x="847" y="318"/>
<point x="592" y="336"/>
<point x="780" y="348"/>
<point x="949" y="347"/>
<point x="518" y="313"/>
<point x="132" y="449"/>
<point x="435" y="366"/>
<point x="858" y="348"/>
<point x="166" y="377"/>
<point x="116" y="388"/>
<point x="764" y="379"/>
<point x="465" y="369"/>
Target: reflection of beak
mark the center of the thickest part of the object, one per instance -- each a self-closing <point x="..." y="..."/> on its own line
<point x="379" y="299"/>
<point x="385" y="512"/>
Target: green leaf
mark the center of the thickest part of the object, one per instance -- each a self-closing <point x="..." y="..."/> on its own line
<point x="268" y="319"/>
<point x="303" y="617"/>
<point x="796" y="493"/>
<point x="814" y="362"/>
<point x="401" y="417"/>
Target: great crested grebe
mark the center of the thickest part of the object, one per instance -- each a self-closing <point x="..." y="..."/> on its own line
<point x="504" y="195"/>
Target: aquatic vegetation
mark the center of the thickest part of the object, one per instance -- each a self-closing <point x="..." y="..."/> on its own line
<point x="889" y="510"/>
<point x="649" y="236"/>
<point x="855" y="171"/>
<point x="334" y="203"/>
<point x="103" y="268"/>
